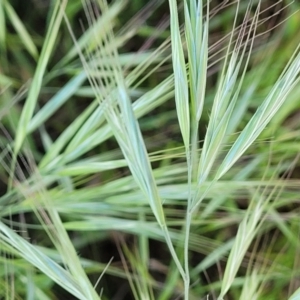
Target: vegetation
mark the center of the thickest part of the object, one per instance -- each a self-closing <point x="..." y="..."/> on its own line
<point x="149" y="150"/>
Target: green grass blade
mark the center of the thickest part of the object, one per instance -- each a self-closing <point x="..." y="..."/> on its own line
<point x="39" y="260"/>
<point x="21" y="30"/>
<point x="56" y="102"/>
<point x="263" y="115"/>
<point x="39" y="74"/>
<point x="2" y="27"/>
<point x="180" y="76"/>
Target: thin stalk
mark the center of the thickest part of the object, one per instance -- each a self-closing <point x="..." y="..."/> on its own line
<point x="173" y="253"/>
<point x="186" y="250"/>
<point x="187" y="225"/>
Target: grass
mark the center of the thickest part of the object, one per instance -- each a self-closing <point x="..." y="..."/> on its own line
<point x="147" y="161"/>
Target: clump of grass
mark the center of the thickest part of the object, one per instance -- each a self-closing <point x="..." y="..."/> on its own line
<point x="212" y="204"/>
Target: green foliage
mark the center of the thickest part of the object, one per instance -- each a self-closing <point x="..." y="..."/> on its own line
<point x="143" y="163"/>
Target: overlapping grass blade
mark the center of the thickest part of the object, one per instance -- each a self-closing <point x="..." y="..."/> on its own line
<point x="39" y="260"/>
<point x="247" y="230"/>
<point x="39" y="74"/>
<point x="225" y="99"/>
<point x="196" y="31"/>
<point x="21" y="30"/>
<point x="69" y="182"/>
<point x="56" y="102"/>
<point x="264" y="114"/>
<point x="180" y="76"/>
<point x="52" y="224"/>
<point x="123" y="122"/>
<point x="109" y="17"/>
<point x="125" y="127"/>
